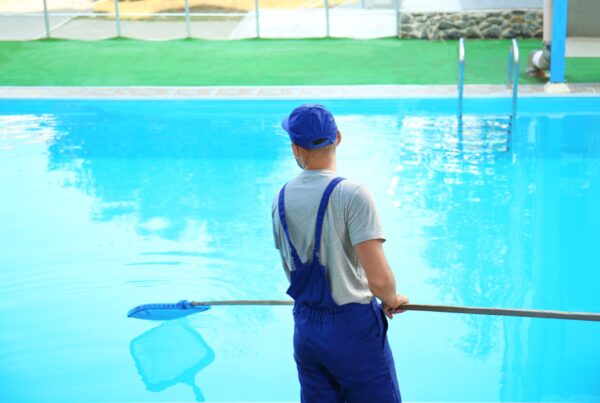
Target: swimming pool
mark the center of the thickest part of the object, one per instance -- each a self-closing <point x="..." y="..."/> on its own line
<point x="109" y="204"/>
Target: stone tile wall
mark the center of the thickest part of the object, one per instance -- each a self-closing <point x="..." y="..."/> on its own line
<point x="476" y="24"/>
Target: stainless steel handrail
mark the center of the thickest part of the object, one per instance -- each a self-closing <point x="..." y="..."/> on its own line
<point x="513" y="75"/>
<point x="461" y="75"/>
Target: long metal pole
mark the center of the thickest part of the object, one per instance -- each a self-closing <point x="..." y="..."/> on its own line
<point x="327" y="18"/>
<point x="46" y="21"/>
<point x="524" y="313"/>
<point x="117" y="18"/>
<point x="256" y="7"/>
<point x="187" y="19"/>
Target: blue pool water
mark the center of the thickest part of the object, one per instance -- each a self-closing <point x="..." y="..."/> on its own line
<point x="106" y="205"/>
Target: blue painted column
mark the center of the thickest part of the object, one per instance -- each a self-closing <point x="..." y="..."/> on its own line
<point x="559" y="39"/>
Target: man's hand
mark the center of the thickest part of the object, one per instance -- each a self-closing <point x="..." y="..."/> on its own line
<point x="396" y="307"/>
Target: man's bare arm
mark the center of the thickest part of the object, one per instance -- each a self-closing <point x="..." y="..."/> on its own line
<point x="379" y="275"/>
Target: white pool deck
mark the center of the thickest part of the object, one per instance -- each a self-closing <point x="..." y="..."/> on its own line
<point x="297" y="92"/>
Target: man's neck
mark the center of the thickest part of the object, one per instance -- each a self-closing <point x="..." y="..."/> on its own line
<point x="329" y="165"/>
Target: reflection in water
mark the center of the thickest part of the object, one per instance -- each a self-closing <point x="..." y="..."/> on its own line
<point x="26" y="129"/>
<point x="174" y="172"/>
<point x="169" y="354"/>
<point x="173" y="197"/>
<point x="493" y="207"/>
<point x="191" y="177"/>
<point x="453" y="174"/>
<point x="513" y="227"/>
<point x="564" y="223"/>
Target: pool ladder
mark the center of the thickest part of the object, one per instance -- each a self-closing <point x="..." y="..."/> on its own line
<point x="512" y="81"/>
<point x="461" y="77"/>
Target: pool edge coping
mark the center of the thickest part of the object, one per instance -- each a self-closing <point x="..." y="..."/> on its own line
<point x="294" y="92"/>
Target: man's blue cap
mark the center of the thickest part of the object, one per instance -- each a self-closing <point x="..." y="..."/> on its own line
<point x="311" y="126"/>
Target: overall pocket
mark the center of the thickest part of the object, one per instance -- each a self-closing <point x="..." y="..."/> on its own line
<point x="363" y="321"/>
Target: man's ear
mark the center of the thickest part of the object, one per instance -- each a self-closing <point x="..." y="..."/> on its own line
<point x="295" y="150"/>
<point x="339" y="138"/>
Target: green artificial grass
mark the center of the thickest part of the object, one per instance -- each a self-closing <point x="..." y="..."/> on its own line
<point x="128" y="62"/>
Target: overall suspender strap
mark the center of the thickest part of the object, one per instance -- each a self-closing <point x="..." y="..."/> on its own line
<point x="321" y="216"/>
<point x="281" y="207"/>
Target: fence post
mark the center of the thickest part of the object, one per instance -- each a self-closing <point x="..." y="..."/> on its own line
<point x="46" y="20"/>
<point x="327" y="18"/>
<point x="187" y="19"/>
<point x="117" y="18"/>
<point x="256" y="6"/>
<point x="397" y="18"/>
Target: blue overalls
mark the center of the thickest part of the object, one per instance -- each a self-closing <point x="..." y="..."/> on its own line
<point x="341" y="351"/>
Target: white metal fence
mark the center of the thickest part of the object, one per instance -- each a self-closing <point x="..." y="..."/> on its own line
<point x="312" y="18"/>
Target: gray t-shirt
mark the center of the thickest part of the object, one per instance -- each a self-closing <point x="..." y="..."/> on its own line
<point x="351" y="217"/>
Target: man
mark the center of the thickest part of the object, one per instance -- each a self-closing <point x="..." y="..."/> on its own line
<point x="330" y="239"/>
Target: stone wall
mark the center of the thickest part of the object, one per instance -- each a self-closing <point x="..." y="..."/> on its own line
<point x="477" y="24"/>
